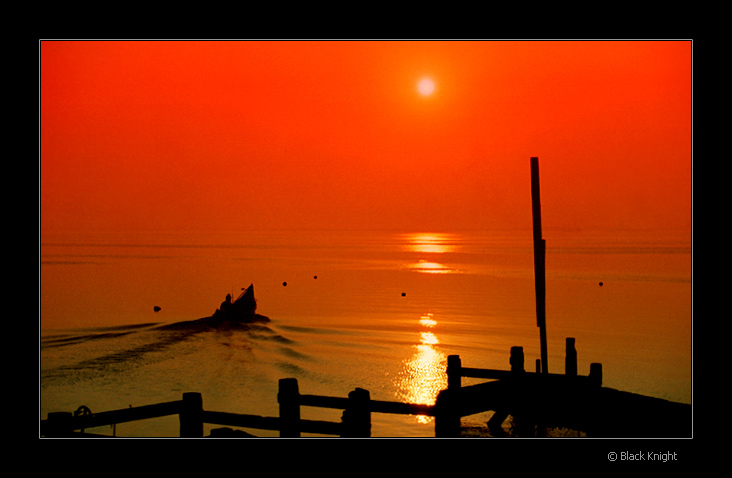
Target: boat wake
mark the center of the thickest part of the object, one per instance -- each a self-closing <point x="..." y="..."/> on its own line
<point x="91" y="352"/>
<point x="234" y="363"/>
<point x="107" y="349"/>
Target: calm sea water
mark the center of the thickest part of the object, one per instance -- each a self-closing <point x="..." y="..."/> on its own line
<point x="375" y="310"/>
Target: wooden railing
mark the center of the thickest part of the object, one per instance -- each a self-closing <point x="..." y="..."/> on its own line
<point x="355" y="422"/>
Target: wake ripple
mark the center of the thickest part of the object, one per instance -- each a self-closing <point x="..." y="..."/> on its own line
<point x="107" y="350"/>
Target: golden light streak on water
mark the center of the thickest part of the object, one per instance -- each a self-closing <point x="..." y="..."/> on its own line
<point x="427" y="321"/>
<point x="423" y="374"/>
<point x="431" y="268"/>
<point x="430" y="243"/>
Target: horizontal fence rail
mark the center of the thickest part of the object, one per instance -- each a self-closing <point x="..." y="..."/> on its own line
<point x="61" y="424"/>
<point x="241" y="421"/>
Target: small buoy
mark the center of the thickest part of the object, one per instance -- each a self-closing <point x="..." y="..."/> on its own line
<point x="600" y="284"/>
<point x="404" y="294"/>
<point x="284" y="284"/>
<point x="156" y="308"/>
<point x="315" y="277"/>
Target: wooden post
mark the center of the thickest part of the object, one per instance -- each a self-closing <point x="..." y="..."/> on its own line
<point x="517" y="359"/>
<point x="454" y="372"/>
<point x="596" y="374"/>
<point x="59" y="425"/>
<point x="570" y="359"/>
<point x="357" y="417"/>
<point x="447" y="414"/>
<point x="289" y="400"/>
<point x="518" y="393"/>
<point x="539" y="262"/>
<point x="191" y="416"/>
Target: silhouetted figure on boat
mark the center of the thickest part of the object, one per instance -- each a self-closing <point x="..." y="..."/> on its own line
<point x="225" y="305"/>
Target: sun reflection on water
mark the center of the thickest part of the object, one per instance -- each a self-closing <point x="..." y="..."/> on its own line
<point x="430" y="243"/>
<point x="428" y="246"/>
<point x="428" y="338"/>
<point x="427" y="320"/>
<point x="423" y="374"/>
<point x="431" y="268"/>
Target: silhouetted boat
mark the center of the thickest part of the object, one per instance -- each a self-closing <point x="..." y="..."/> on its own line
<point x="243" y="310"/>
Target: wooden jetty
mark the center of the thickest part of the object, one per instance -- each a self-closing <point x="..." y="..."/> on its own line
<point x="535" y="400"/>
<point x="540" y="400"/>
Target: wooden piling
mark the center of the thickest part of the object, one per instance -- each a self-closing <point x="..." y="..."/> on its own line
<point x="357" y="415"/>
<point x="289" y="400"/>
<point x="454" y="372"/>
<point x="596" y="374"/>
<point x="570" y="358"/>
<point x="191" y="416"/>
<point x="517" y="360"/>
<point x="447" y="414"/>
<point x="539" y="262"/>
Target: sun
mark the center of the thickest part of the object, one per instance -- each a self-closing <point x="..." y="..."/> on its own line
<point x="426" y="86"/>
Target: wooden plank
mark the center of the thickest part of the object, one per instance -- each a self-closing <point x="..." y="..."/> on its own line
<point x="241" y="420"/>
<point x="321" y="427"/>
<point x="322" y="401"/>
<point x="126" y="415"/>
<point x="400" y="408"/>
<point x="485" y="373"/>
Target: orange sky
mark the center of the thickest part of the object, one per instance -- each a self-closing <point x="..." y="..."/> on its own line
<point x="231" y="136"/>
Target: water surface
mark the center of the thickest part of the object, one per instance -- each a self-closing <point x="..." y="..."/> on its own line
<point x="375" y="310"/>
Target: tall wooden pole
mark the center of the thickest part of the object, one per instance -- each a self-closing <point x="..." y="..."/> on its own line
<point x="539" y="262"/>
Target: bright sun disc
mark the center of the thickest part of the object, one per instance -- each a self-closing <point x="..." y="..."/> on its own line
<point x="426" y="86"/>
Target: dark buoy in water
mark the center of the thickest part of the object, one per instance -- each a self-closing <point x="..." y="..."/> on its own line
<point x="600" y="284"/>
<point x="284" y="284"/>
<point x="315" y="277"/>
<point x="404" y="294"/>
<point x="156" y="309"/>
